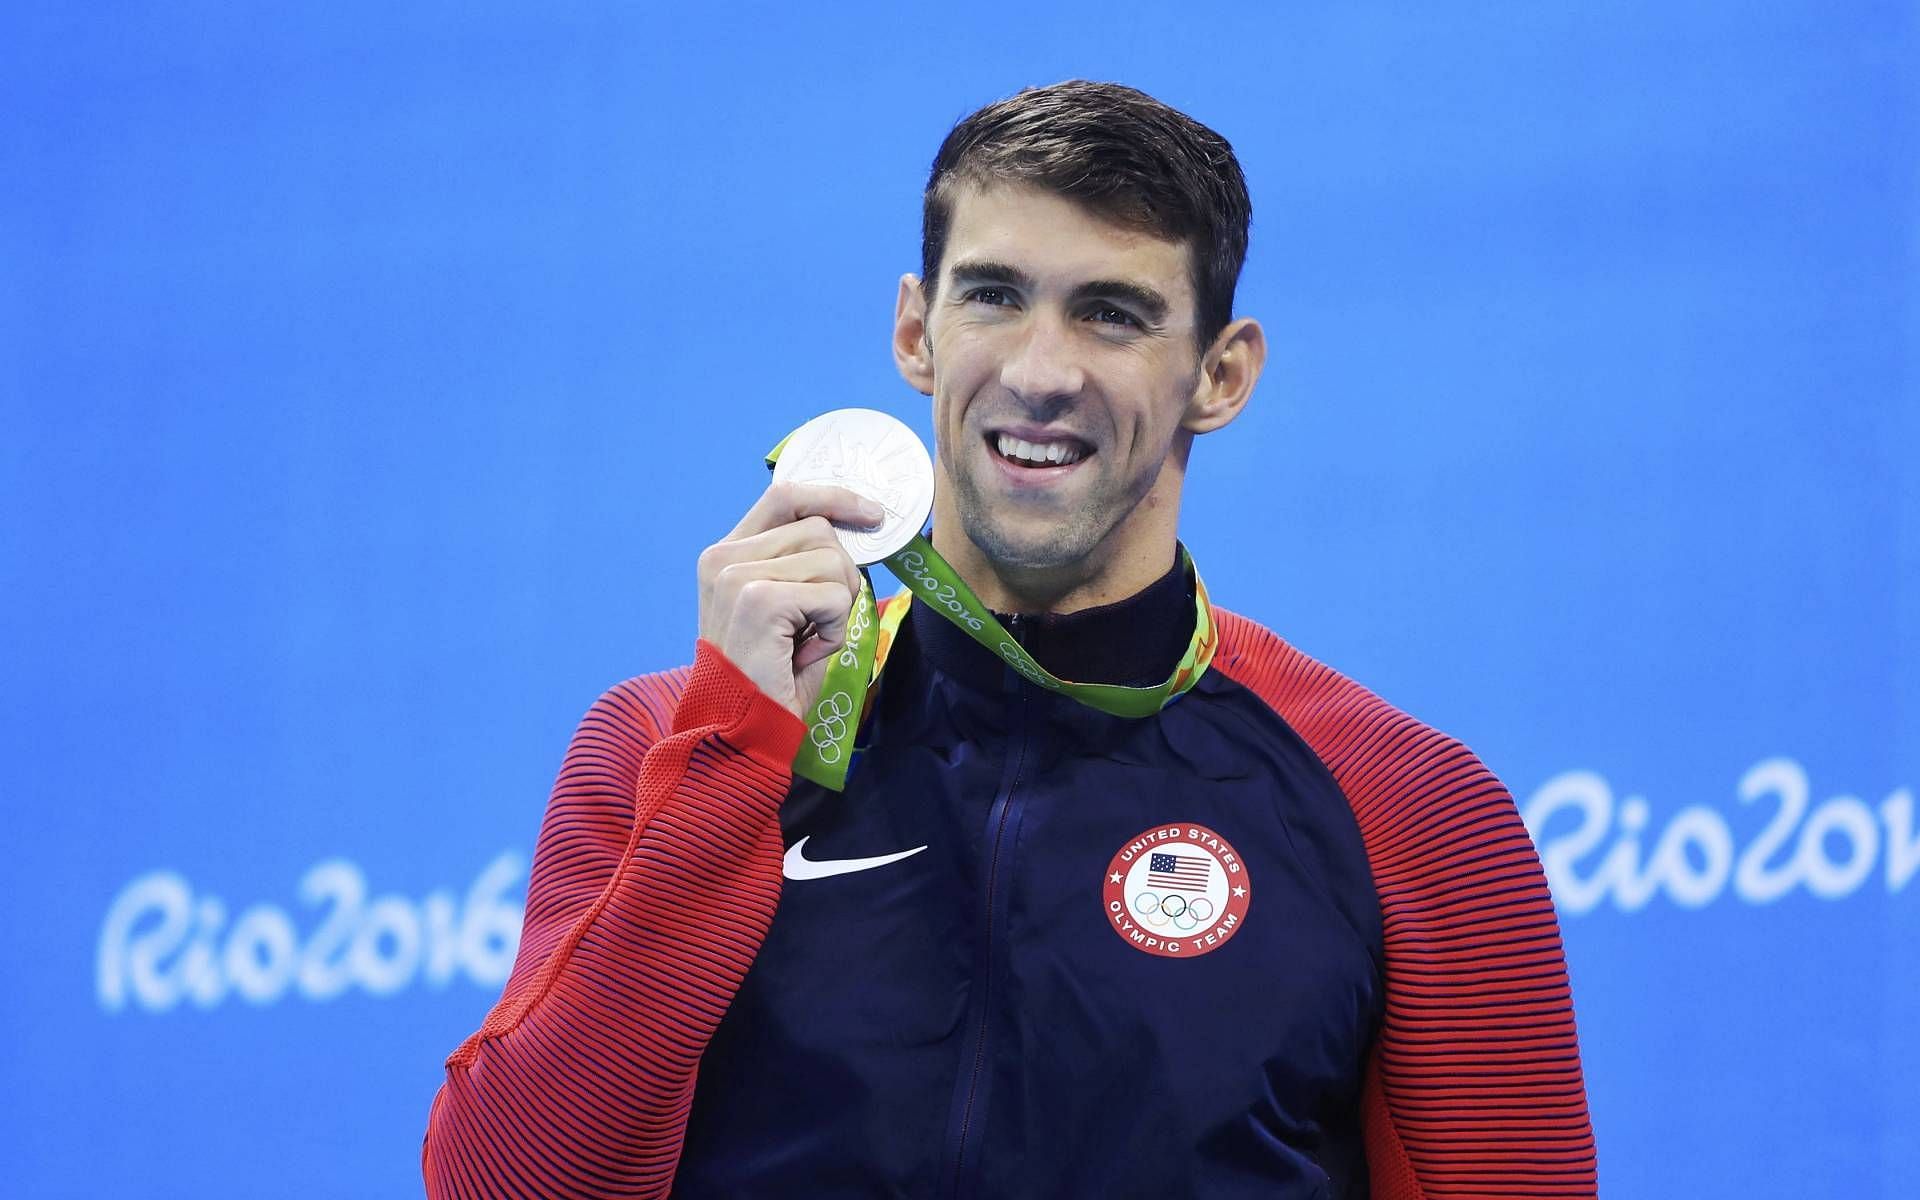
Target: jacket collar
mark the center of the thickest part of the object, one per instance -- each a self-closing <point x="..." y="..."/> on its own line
<point x="1135" y="642"/>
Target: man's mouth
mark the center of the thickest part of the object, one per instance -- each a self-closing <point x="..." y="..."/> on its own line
<point x="1052" y="452"/>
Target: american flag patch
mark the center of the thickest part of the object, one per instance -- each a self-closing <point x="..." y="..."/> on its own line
<point x="1179" y="872"/>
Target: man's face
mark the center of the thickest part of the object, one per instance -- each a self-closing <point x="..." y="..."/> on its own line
<point x="1063" y="363"/>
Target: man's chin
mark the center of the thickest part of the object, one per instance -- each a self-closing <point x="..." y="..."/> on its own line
<point x="1029" y="546"/>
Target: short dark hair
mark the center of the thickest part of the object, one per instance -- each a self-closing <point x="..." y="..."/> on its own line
<point x="1124" y="155"/>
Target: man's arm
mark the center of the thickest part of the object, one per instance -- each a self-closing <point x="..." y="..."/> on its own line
<point x="1474" y="1087"/>
<point x="654" y="881"/>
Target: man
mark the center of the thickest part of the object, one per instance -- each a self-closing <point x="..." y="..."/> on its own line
<point x="1275" y="940"/>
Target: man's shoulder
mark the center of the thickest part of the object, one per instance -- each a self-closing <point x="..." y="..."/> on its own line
<point x="1303" y="690"/>
<point x="1392" y="766"/>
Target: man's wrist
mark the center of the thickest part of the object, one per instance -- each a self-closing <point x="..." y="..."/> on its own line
<point x="721" y="700"/>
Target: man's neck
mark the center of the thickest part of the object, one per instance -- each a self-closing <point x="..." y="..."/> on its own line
<point x="1136" y="641"/>
<point x="1089" y="583"/>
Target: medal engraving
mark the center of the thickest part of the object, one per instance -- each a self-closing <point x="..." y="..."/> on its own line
<point x="871" y="453"/>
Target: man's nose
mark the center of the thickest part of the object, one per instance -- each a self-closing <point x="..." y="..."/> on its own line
<point x="1044" y="366"/>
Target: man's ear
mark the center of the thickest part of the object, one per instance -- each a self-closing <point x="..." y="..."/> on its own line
<point x="912" y="352"/>
<point x="1228" y="371"/>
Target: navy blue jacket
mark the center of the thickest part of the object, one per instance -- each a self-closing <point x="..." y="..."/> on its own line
<point x="1278" y="940"/>
<point x="968" y="1021"/>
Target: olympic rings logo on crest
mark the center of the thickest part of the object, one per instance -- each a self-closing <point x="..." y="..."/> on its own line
<point x="1184" y="914"/>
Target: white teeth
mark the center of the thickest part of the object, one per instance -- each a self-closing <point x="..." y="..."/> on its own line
<point x="1039" y="453"/>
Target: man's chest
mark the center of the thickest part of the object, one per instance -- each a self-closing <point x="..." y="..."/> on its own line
<point x="1062" y="938"/>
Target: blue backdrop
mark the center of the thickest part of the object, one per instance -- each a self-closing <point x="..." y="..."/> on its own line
<point x="371" y="380"/>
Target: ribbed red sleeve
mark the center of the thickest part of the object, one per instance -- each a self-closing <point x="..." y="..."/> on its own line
<point x="1474" y="1088"/>
<point x="654" y="882"/>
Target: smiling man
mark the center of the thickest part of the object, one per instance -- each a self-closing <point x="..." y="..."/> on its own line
<point x="1070" y="371"/>
<point x="1274" y="939"/>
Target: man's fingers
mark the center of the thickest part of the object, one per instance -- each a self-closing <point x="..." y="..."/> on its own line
<point x="791" y="607"/>
<point x="785" y="503"/>
<point x="771" y="554"/>
<point x="812" y="651"/>
<point x="776" y="593"/>
<point x="808" y="533"/>
<point x="828" y="634"/>
<point x="827" y="607"/>
<point x="821" y="564"/>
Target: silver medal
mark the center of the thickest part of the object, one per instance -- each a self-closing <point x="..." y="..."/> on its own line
<point x="874" y="454"/>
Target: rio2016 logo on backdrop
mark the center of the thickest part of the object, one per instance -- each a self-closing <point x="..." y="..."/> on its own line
<point x="1831" y="848"/>
<point x="162" y="943"/>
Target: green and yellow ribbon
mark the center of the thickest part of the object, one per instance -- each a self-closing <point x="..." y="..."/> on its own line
<point x="827" y="751"/>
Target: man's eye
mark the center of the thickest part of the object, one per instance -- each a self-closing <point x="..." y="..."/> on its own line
<point x="990" y="295"/>
<point x="1108" y="315"/>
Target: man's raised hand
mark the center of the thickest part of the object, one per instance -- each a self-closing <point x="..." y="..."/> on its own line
<point x="775" y="593"/>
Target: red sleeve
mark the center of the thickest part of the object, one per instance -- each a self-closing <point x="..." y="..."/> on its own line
<point x="1474" y="1087"/>
<point x="654" y="882"/>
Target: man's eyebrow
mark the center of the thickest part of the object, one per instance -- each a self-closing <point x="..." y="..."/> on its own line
<point x="987" y="271"/>
<point x="1152" y="305"/>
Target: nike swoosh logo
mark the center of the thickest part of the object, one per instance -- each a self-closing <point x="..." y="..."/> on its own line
<point x="799" y="866"/>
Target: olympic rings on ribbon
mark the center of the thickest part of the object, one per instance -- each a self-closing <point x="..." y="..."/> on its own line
<point x="829" y="728"/>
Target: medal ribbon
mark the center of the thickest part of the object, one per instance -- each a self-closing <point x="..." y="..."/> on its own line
<point x="827" y="750"/>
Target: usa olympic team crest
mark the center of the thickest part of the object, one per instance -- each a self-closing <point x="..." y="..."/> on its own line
<point x="1177" y="890"/>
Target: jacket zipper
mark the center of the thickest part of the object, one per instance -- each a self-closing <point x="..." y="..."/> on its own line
<point x="999" y="818"/>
